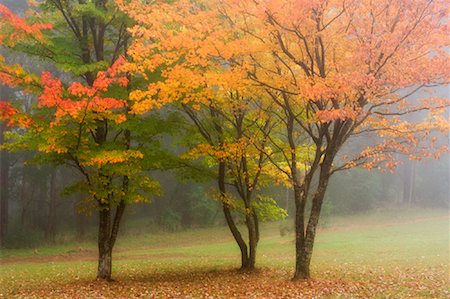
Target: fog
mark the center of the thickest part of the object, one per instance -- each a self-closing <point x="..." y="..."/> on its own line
<point x="39" y="209"/>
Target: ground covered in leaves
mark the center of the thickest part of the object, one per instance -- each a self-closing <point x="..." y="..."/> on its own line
<point x="265" y="283"/>
<point x="400" y="258"/>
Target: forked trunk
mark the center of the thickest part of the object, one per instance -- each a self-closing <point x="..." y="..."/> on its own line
<point x="108" y="228"/>
<point x="107" y="235"/>
<point x="229" y="218"/>
<point x="305" y="238"/>
<point x="237" y="236"/>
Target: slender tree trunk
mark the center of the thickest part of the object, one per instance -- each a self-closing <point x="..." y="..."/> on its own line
<point x="50" y="230"/>
<point x="301" y="267"/>
<point x="255" y="216"/>
<point x="229" y="218"/>
<point x="25" y="199"/>
<point x="406" y="178"/>
<point x="236" y="234"/>
<point x="79" y="222"/>
<point x="251" y="221"/>
<point x="412" y="190"/>
<point x="302" y="270"/>
<point x="4" y="188"/>
<point x="109" y="228"/>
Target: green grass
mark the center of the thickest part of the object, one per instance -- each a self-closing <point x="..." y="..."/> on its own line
<point x="407" y="246"/>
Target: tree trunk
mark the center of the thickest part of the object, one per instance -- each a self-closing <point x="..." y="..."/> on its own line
<point x="26" y="197"/>
<point x="105" y="263"/>
<point x="237" y="235"/>
<point x="412" y="190"/>
<point x="4" y="188"/>
<point x="107" y="235"/>
<point x="107" y="230"/>
<point x="305" y="239"/>
<point x="79" y="220"/>
<point x="50" y="230"/>
<point x="409" y="178"/>
<point x="301" y="267"/>
<point x="252" y="241"/>
<point x="104" y="246"/>
<point x="229" y="218"/>
<point x="255" y="216"/>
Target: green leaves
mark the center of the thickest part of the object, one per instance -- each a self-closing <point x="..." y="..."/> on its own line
<point x="76" y="68"/>
<point x="268" y="209"/>
<point x="141" y="189"/>
<point x="89" y="9"/>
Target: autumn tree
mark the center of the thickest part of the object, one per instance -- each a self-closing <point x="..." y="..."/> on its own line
<point x="81" y="119"/>
<point x="230" y="138"/>
<point x="334" y="70"/>
<point x="229" y="120"/>
<point x="340" y="69"/>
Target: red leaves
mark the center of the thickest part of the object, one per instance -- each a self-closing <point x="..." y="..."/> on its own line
<point x="6" y="111"/>
<point x="112" y="75"/>
<point x="21" y="28"/>
<point x="52" y="92"/>
<point x="78" y="99"/>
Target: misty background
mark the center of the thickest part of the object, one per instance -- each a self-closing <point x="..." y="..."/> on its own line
<point x="35" y="207"/>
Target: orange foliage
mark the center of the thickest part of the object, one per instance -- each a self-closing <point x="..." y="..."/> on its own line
<point x="13" y="117"/>
<point x="20" y="28"/>
<point x="6" y="111"/>
<point x="16" y="75"/>
<point x="332" y="61"/>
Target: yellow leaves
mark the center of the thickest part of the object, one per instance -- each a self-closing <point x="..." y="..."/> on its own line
<point x="143" y="101"/>
<point x="226" y="152"/>
<point x="52" y="147"/>
<point x="16" y="75"/>
<point x="113" y="157"/>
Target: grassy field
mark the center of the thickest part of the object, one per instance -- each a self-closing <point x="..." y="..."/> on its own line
<point x="382" y="255"/>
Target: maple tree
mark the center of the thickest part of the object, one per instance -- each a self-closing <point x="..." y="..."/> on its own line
<point x="229" y="141"/>
<point x="83" y="121"/>
<point x="339" y="69"/>
<point x="334" y="70"/>
<point x="230" y="123"/>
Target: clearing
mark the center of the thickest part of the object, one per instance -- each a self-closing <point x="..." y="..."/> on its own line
<point x="381" y="255"/>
